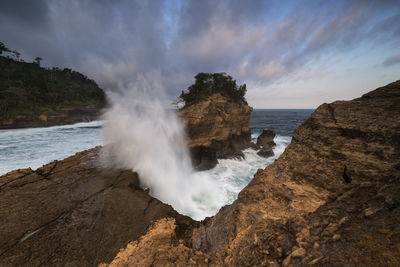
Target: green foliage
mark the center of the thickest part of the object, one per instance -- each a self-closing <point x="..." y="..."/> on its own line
<point x="207" y="84"/>
<point x="28" y="89"/>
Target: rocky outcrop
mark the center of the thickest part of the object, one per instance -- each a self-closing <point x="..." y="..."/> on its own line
<point x="68" y="114"/>
<point x="217" y="128"/>
<point x="74" y="213"/>
<point x="265" y="142"/>
<point x="330" y="199"/>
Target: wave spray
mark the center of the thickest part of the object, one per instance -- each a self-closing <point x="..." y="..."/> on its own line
<point x="145" y="135"/>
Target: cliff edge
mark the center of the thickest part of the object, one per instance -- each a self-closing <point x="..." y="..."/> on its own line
<point x="330" y="199"/>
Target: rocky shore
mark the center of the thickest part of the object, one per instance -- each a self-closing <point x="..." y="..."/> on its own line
<point x="74" y="213"/>
<point x="330" y="199"/>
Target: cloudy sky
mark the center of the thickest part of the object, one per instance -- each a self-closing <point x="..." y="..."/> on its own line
<point x="291" y="54"/>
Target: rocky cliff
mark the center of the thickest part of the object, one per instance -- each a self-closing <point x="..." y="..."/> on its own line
<point x="217" y="127"/>
<point x="74" y="213"/>
<point x="330" y="199"/>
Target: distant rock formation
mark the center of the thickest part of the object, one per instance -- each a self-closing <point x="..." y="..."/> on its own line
<point x="74" y="213"/>
<point x="330" y="199"/>
<point x="265" y="142"/>
<point x="217" y="127"/>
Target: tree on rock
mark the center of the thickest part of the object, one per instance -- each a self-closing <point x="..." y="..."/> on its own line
<point x="207" y="84"/>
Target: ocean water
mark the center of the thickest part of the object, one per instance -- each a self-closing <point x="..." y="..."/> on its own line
<point x="34" y="147"/>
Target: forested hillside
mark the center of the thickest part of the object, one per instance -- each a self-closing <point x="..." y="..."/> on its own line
<point x="29" y="91"/>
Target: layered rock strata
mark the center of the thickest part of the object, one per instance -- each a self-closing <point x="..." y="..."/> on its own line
<point x="216" y="128"/>
<point x="74" y="213"/>
<point x="330" y="199"/>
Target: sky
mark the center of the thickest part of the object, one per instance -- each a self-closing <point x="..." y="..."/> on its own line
<point x="290" y="54"/>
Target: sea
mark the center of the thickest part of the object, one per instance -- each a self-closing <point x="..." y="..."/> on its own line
<point x="34" y="147"/>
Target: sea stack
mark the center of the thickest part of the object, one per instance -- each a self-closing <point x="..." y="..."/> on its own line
<point x="265" y="142"/>
<point x="217" y="118"/>
<point x="217" y="128"/>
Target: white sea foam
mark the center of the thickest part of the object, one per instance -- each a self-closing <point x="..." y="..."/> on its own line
<point x="233" y="175"/>
<point x="34" y="147"/>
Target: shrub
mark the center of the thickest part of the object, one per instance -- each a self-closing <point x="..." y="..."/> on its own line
<point x="207" y="84"/>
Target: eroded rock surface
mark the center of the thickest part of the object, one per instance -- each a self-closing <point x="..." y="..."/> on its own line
<point x="330" y="199"/>
<point x="73" y="213"/>
<point x="217" y="128"/>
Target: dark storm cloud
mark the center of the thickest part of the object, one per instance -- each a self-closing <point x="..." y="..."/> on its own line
<point x="255" y="41"/>
<point x="26" y="26"/>
<point x="24" y="13"/>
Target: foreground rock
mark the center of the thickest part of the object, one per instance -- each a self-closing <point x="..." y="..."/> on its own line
<point x="74" y="213"/>
<point x="217" y="128"/>
<point x="330" y="199"/>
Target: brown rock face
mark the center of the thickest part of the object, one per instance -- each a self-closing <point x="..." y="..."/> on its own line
<point x="266" y="143"/>
<point x="330" y="199"/>
<point x="73" y="213"/>
<point x="217" y="128"/>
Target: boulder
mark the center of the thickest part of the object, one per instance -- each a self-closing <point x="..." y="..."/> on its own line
<point x="217" y="127"/>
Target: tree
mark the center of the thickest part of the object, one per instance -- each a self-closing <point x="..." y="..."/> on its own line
<point x="3" y="48"/>
<point x="207" y="84"/>
<point x="37" y="60"/>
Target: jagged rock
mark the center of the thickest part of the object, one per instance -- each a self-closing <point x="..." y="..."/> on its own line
<point x="265" y="142"/>
<point x="217" y="128"/>
<point x="343" y="161"/>
<point x="159" y="247"/>
<point x="73" y="212"/>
